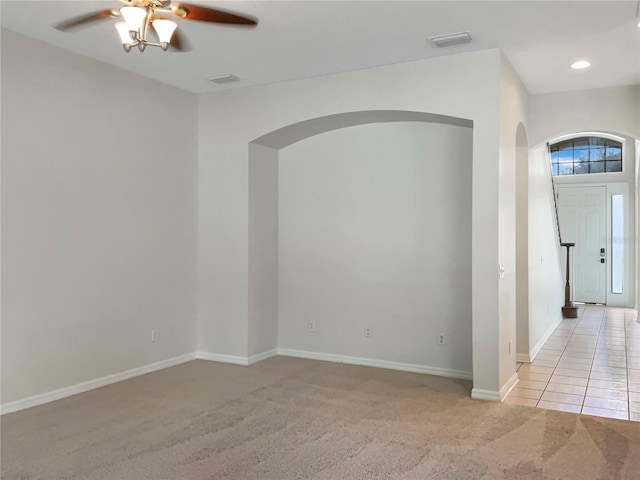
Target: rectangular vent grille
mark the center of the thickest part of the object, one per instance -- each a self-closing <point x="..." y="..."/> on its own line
<point x="450" y="39"/>
<point x="226" y="78"/>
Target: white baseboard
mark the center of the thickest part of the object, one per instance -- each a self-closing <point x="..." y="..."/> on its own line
<point x="507" y="387"/>
<point x="370" y="362"/>
<point x="258" y="357"/>
<point x="536" y="349"/>
<point x="493" y="395"/>
<point x="220" y="357"/>
<point x="490" y="395"/>
<point x="531" y="356"/>
<point x="47" y="397"/>
<point x="236" y="359"/>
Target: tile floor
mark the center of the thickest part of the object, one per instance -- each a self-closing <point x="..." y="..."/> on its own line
<point x="590" y="365"/>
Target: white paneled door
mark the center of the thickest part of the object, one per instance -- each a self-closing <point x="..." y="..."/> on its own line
<point x="583" y="220"/>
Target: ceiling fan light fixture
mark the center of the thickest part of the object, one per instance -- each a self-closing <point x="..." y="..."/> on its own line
<point x="138" y="16"/>
<point x="123" y="32"/>
<point x="164" y="28"/>
<point x="134" y="17"/>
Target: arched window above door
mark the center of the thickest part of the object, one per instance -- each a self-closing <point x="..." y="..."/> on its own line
<point x="586" y="154"/>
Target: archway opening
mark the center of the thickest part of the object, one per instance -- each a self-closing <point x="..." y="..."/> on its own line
<point x="270" y="295"/>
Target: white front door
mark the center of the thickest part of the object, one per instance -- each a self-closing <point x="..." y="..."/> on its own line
<point x="583" y="220"/>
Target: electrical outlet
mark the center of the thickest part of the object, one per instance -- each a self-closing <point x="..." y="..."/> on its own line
<point x="154" y="335"/>
<point x="442" y="339"/>
<point x="312" y="326"/>
<point x="367" y="332"/>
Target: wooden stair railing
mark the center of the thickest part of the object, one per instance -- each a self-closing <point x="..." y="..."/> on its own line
<point x="568" y="310"/>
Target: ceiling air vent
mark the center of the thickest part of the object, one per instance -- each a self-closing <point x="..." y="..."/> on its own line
<point x="450" y="39"/>
<point x="225" y="78"/>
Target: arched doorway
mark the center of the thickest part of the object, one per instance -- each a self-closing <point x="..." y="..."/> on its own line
<point x="263" y="264"/>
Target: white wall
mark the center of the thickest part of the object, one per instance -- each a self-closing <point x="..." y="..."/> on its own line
<point x="98" y="219"/>
<point x="546" y="283"/>
<point x="463" y="86"/>
<point x="613" y="110"/>
<point x="514" y="112"/>
<point x="263" y="251"/>
<point x="375" y="232"/>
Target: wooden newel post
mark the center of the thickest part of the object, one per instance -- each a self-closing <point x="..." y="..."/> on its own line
<point x="568" y="311"/>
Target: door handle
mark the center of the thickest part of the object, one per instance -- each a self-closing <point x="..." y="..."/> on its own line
<point x="602" y="252"/>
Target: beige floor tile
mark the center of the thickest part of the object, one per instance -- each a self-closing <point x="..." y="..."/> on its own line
<point x="532" y="384"/>
<point x="606" y="403"/>
<point x="573" y="365"/>
<point x="633" y="387"/>
<point x="557" y="346"/>
<point x="575" y="345"/>
<point x="609" y="356"/>
<point x="579" y="350"/>
<point x="606" y="393"/>
<point x="547" y="358"/>
<point x="538" y="377"/>
<point x="563" y="407"/>
<point x="550" y="351"/>
<point x="581" y="382"/>
<point x="562" y="398"/>
<point x="587" y="360"/>
<point x="568" y="372"/>
<point x="608" y="384"/>
<point x="633" y="363"/>
<point x="608" y="376"/>
<point x="608" y="369"/>
<point x="536" y="369"/>
<point x="603" y="412"/>
<point x="610" y="364"/>
<point x="562" y="388"/>
<point x="527" y="402"/>
<point x="543" y="363"/>
<point x="526" y="393"/>
<point x="584" y="337"/>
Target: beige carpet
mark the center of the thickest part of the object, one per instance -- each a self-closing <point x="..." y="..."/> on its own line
<point x="288" y="418"/>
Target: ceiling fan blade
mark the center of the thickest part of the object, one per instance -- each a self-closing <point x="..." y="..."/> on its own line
<point x="205" y="14"/>
<point x="83" y="20"/>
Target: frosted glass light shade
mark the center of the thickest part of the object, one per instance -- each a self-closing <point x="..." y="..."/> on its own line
<point x="164" y="29"/>
<point x="123" y="31"/>
<point x="134" y="17"/>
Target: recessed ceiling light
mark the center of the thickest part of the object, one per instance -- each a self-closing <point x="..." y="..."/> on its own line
<point x="580" y="64"/>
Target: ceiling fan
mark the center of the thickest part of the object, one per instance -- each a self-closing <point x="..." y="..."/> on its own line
<point x="139" y="15"/>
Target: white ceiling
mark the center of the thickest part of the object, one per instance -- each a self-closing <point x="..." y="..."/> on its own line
<point x="298" y="39"/>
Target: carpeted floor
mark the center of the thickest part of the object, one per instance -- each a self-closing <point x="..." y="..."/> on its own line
<point x="288" y="418"/>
